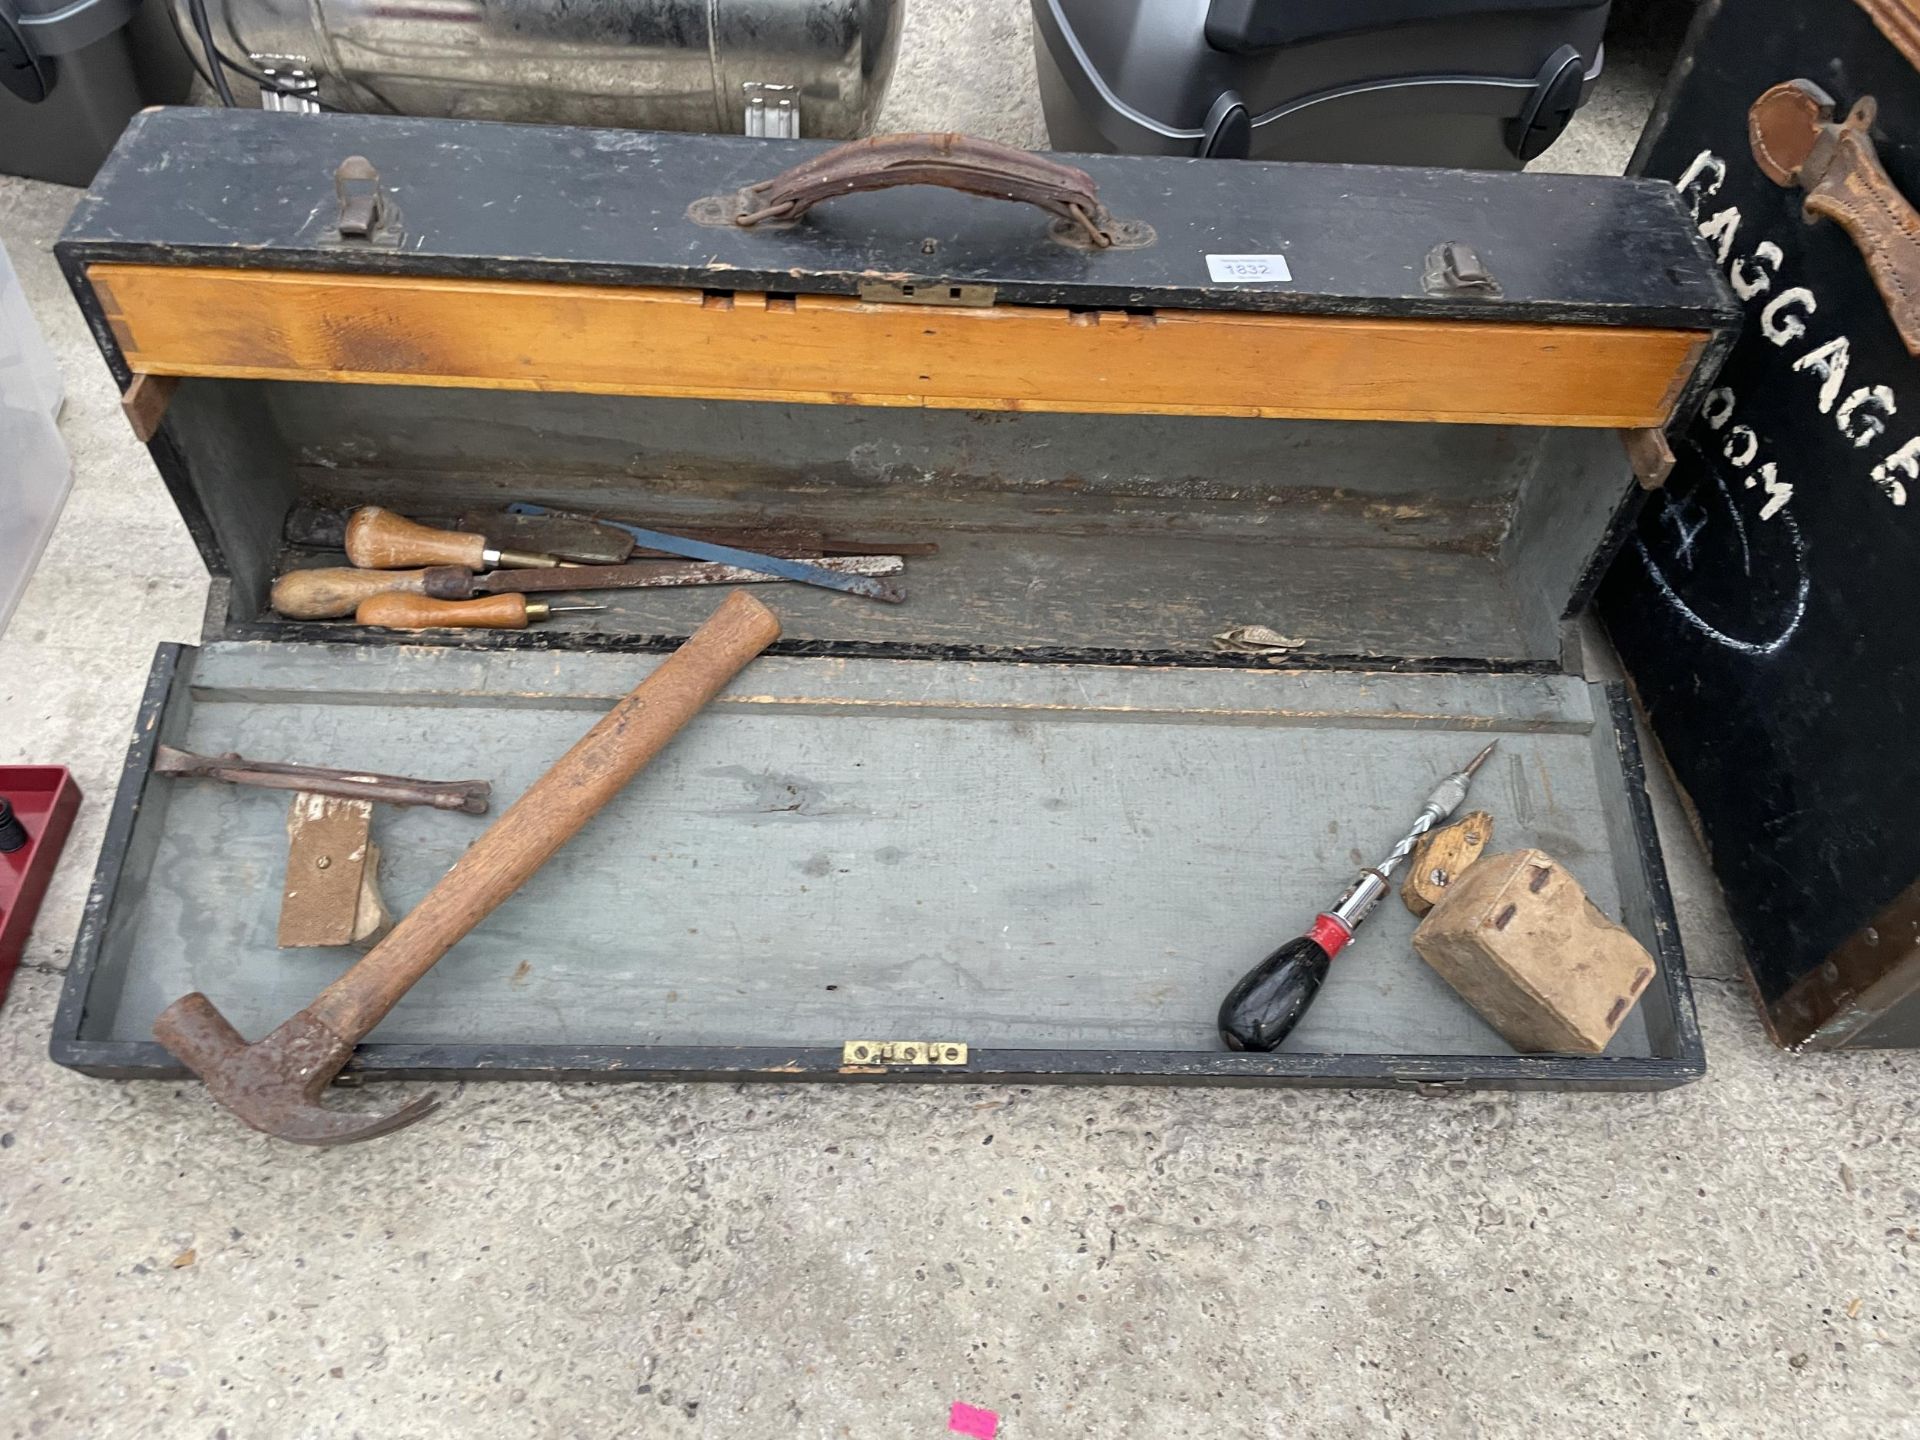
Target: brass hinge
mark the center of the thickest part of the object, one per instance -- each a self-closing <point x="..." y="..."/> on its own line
<point x="924" y="292"/>
<point x="903" y="1052"/>
<point x="1430" y="1087"/>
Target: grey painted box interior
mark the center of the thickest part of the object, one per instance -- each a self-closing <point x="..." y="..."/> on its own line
<point x="1018" y="856"/>
<point x="984" y="830"/>
<point x="1057" y="532"/>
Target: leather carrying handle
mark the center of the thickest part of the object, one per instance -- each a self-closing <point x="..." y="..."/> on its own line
<point x="1796" y="142"/>
<point x="957" y="162"/>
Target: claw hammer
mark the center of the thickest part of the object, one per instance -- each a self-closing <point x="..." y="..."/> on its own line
<point x="275" y="1084"/>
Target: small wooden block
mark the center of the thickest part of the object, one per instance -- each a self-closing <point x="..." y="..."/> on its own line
<point x="328" y="854"/>
<point x="1442" y="856"/>
<point x="1650" y="455"/>
<point x="145" y="403"/>
<point x="1518" y="939"/>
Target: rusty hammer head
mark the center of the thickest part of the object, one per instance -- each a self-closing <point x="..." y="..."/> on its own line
<point x="275" y="1084"/>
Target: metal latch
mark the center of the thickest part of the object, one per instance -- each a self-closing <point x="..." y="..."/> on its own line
<point x="366" y="214"/>
<point x="903" y="1052"/>
<point x="290" y="86"/>
<point x="1455" y="269"/>
<point x="773" y="111"/>
<point x="924" y="292"/>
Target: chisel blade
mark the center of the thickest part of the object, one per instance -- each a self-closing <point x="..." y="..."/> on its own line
<point x="581" y="541"/>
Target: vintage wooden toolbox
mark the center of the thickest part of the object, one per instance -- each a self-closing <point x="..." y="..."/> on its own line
<point x="1765" y="605"/>
<point x="1033" y="810"/>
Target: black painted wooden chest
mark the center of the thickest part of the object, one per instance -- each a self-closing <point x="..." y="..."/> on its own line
<point x="1037" y="809"/>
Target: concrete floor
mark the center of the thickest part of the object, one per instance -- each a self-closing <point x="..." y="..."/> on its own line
<point x="1732" y="1259"/>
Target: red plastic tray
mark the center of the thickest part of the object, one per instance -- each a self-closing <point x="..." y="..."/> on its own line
<point x="44" y="799"/>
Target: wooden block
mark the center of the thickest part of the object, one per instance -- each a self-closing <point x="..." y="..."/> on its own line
<point x="1517" y="937"/>
<point x="1441" y="857"/>
<point x="145" y="403"/>
<point x="330" y="897"/>
<point x="1650" y="455"/>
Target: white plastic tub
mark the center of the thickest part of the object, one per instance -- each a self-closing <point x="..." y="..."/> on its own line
<point x="35" y="469"/>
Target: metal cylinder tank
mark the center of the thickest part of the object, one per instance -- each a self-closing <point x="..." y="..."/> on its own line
<point x="807" y="67"/>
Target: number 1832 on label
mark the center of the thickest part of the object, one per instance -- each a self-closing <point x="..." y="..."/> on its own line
<point x="1248" y="269"/>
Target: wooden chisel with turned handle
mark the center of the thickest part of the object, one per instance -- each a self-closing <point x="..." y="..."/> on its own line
<point x="490" y="612"/>
<point x="381" y="540"/>
<point x="332" y="593"/>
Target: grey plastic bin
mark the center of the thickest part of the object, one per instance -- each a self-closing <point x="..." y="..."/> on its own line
<point x="1460" y="83"/>
<point x="36" y="472"/>
<point x="72" y="75"/>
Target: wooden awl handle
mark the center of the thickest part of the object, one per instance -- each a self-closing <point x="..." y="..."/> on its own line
<point x="330" y="593"/>
<point x="381" y="540"/>
<point x="549" y="814"/>
<point x="417" y="612"/>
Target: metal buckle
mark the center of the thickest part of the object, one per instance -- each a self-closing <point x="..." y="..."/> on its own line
<point x="367" y="215"/>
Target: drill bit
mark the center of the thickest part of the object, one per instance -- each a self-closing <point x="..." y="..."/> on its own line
<point x="1372" y="884"/>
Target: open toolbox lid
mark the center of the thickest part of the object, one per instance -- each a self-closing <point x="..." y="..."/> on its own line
<point x="539" y="308"/>
<point x="1588" y="297"/>
<point x="1405" y="452"/>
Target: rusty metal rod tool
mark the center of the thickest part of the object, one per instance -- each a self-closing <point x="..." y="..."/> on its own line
<point x="468" y="795"/>
<point x="275" y="1084"/>
<point x="800" y="570"/>
<point x="1268" y="1001"/>
<point x="447" y="582"/>
<point x="331" y="592"/>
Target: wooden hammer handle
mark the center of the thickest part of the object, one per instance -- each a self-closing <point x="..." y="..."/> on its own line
<point x="559" y="803"/>
<point x="328" y="594"/>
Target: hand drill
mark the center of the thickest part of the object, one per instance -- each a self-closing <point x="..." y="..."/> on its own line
<point x="1269" y="999"/>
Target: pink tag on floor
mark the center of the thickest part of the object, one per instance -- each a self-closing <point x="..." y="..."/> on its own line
<point x="968" y="1419"/>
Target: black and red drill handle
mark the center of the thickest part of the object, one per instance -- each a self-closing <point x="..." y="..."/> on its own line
<point x="1267" y="1002"/>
